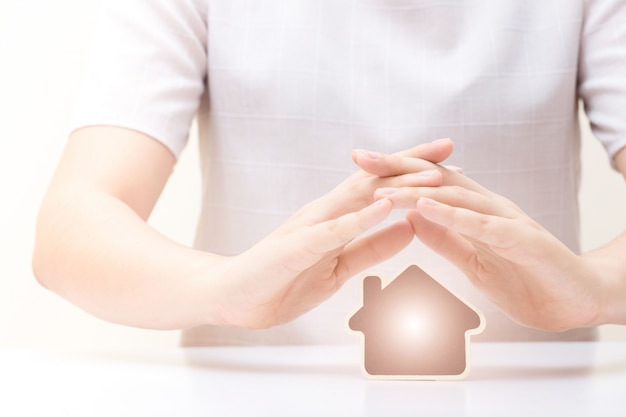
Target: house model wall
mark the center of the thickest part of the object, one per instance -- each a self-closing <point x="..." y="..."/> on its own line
<point x="414" y="328"/>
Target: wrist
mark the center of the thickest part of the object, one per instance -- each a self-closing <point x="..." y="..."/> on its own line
<point x="209" y="278"/>
<point x="607" y="274"/>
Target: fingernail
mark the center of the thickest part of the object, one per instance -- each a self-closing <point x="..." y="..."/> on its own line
<point x="387" y="190"/>
<point x="440" y="140"/>
<point x="454" y="168"/>
<point x="381" y="202"/>
<point x="428" y="201"/>
<point x="369" y="154"/>
<point x="426" y="173"/>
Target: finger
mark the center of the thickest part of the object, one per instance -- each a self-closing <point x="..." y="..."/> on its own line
<point x="407" y="198"/>
<point x="343" y="199"/>
<point x="428" y="178"/>
<point x="495" y="231"/>
<point x="448" y="243"/>
<point x="334" y="204"/>
<point x="373" y="249"/>
<point x="435" y="151"/>
<point x="383" y="165"/>
<point x="454" y="168"/>
<point x="416" y="159"/>
<point x="314" y="242"/>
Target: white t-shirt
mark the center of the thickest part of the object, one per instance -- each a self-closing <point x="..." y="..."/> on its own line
<point x="284" y="90"/>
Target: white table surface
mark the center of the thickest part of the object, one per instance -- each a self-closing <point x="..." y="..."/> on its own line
<point x="506" y="379"/>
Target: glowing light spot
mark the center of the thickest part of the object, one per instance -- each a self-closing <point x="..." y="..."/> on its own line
<point x="413" y="326"/>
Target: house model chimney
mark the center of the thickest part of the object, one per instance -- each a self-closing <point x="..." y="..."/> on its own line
<point x="372" y="285"/>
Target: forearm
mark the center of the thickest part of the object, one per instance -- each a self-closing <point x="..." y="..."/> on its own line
<point x="95" y="248"/>
<point x="95" y="251"/>
<point x="608" y="263"/>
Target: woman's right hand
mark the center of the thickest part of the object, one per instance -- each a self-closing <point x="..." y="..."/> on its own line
<point x="95" y="248"/>
<point x="316" y="250"/>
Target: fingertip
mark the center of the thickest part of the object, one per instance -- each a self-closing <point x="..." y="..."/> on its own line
<point x="454" y="168"/>
<point x="426" y="178"/>
<point x="405" y="227"/>
<point x="382" y="202"/>
<point x="373" y="214"/>
<point x="356" y="153"/>
<point x="383" y="206"/>
<point x="371" y="162"/>
<point x="427" y="207"/>
<point x="385" y="192"/>
<point x="443" y="142"/>
<point x="433" y="211"/>
<point x="427" y="203"/>
<point x="437" y="177"/>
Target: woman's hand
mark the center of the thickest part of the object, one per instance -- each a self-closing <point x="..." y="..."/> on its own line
<point x="518" y="264"/>
<point x="95" y="248"/>
<point x="314" y="252"/>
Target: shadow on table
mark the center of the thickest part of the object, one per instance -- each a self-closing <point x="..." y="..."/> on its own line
<point x="527" y="372"/>
<point x="270" y="361"/>
<point x="538" y="364"/>
<point x="550" y="361"/>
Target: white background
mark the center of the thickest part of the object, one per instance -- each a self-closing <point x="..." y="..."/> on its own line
<point x="44" y="47"/>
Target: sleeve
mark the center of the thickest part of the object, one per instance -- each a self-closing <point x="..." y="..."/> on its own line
<point x="602" y="71"/>
<point x="147" y="69"/>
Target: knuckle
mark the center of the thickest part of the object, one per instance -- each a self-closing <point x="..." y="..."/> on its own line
<point x="460" y="191"/>
<point x="485" y="229"/>
<point x="338" y="229"/>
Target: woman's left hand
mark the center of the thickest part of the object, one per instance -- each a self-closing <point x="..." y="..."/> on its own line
<point x="519" y="265"/>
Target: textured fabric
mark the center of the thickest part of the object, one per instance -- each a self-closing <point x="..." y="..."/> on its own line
<point x="284" y="90"/>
